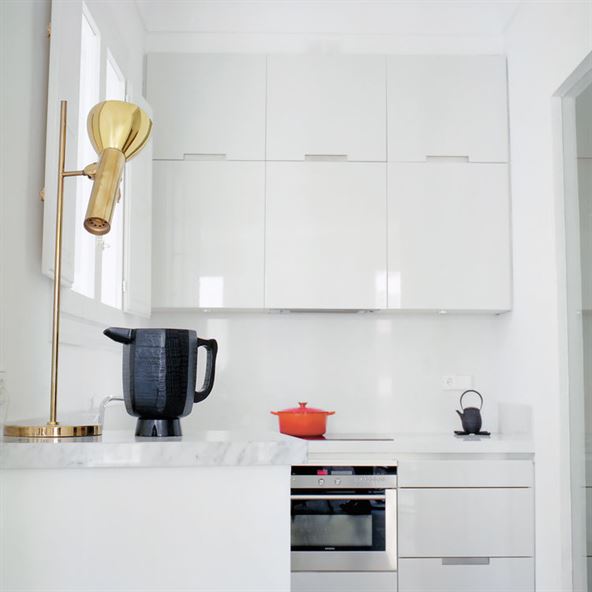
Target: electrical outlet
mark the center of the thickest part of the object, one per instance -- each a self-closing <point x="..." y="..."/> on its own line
<point x="457" y="383"/>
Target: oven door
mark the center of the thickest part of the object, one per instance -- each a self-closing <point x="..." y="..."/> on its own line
<point x="344" y="531"/>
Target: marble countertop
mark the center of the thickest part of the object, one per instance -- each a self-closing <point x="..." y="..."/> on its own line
<point x="397" y="446"/>
<point x="122" y="449"/>
<point x="224" y="448"/>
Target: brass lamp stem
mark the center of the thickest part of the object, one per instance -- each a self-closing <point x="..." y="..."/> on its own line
<point x="57" y="268"/>
<point x="53" y="429"/>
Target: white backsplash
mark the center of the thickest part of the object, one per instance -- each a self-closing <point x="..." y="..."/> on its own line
<point x="378" y="372"/>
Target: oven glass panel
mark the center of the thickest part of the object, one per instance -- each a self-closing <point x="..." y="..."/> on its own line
<point x="338" y="525"/>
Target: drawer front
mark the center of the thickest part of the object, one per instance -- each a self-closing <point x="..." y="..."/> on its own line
<point x="466" y="473"/>
<point x="466" y="523"/>
<point x="344" y="581"/>
<point x="442" y="575"/>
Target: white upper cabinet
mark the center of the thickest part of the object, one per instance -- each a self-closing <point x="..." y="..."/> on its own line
<point x="207" y="105"/>
<point x="326" y="106"/>
<point x="449" y="237"/>
<point x="325" y="235"/>
<point x="447" y="106"/>
<point x="208" y="234"/>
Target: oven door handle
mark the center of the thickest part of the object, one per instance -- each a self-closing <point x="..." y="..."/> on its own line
<point x="339" y="497"/>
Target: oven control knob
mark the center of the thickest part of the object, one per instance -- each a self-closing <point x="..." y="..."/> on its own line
<point x="337" y="481"/>
<point x="321" y="482"/>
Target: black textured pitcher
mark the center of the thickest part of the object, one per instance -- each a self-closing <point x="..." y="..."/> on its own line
<point x="159" y="376"/>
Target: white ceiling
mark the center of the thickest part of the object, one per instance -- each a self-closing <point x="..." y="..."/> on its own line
<point x="340" y="17"/>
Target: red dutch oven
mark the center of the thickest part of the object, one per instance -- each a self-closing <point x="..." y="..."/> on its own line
<point x="303" y="421"/>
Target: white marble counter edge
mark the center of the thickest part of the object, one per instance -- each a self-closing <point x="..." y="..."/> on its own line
<point x="82" y="453"/>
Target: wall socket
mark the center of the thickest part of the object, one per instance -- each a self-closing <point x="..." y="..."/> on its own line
<point x="457" y="383"/>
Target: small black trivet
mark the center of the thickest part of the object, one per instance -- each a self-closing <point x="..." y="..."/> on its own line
<point x="467" y="434"/>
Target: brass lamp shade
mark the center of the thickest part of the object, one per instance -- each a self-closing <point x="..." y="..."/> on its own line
<point x="117" y="131"/>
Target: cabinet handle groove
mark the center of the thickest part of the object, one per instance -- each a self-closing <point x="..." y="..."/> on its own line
<point x="203" y="156"/>
<point x="465" y="560"/>
<point x="325" y="157"/>
<point x="437" y="158"/>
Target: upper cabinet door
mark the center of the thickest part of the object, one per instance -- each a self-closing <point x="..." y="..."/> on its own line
<point x="208" y="234"/>
<point x="325" y="244"/>
<point x="326" y="106"/>
<point x="449" y="237"/>
<point x="207" y="105"/>
<point x="447" y="106"/>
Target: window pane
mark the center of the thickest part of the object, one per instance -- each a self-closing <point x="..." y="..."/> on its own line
<point x="85" y="243"/>
<point x="112" y="243"/>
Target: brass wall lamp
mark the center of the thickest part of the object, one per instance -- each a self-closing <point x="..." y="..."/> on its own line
<point x="118" y="131"/>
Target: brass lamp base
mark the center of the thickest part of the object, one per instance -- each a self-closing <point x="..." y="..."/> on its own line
<point x="49" y="430"/>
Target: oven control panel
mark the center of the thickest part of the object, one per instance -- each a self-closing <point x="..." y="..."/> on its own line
<point x="344" y="477"/>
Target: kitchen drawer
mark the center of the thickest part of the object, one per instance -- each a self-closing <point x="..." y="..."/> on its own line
<point x="493" y="522"/>
<point x="344" y="581"/>
<point x="506" y="574"/>
<point x="466" y="473"/>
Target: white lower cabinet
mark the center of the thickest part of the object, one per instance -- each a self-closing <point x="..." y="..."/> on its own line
<point x="466" y="525"/>
<point x="325" y="242"/>
<point x="467" y="473"/>
<point x="487" y="522"/>
<point x="348" y="581"/>
<point x="504" y="574"/>
<point x="208" y="232"/>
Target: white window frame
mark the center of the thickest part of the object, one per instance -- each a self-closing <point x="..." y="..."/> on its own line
<point x="76" y="305"/>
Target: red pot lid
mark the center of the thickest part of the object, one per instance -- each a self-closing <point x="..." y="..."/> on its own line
<point x="303" y="409"/>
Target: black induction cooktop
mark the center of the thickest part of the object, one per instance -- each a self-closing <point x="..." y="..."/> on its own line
<point x="350" y="438"/>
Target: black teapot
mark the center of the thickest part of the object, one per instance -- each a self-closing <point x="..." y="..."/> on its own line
<point x="159" y="376"/>
<point x="471" y="416"/>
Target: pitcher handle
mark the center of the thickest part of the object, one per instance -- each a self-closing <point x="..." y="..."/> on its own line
<point x="211" y="346"/>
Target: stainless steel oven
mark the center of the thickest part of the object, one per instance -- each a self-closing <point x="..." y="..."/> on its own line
<point x="344" y="518"/>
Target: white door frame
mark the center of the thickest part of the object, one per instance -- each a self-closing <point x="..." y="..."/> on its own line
<point x="573" y="470"/>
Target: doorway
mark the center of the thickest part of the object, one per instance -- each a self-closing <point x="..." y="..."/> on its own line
<point x="574" y="102"/>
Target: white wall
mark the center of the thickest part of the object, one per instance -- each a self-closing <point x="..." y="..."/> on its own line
<point x="545" y="43"/>
<point x="87" y="368"/>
